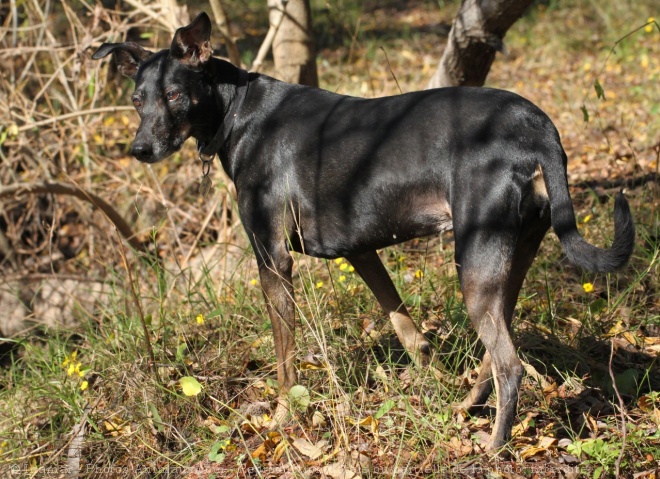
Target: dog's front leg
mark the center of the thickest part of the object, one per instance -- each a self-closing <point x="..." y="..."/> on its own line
<point x="276" y="283"/>
<point x="371" y="269"/>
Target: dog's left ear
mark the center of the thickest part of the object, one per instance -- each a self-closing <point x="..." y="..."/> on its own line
<point x="128" y="56"/>
<point x="192" y="44"/>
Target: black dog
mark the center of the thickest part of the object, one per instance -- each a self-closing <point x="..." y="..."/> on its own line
<point x="335" y="176"/>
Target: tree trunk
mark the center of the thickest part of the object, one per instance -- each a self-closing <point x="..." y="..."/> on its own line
<point x="293" y="45"/>
<point x="475" y="36"/>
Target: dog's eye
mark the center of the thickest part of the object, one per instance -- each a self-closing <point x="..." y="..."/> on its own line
<point x="137" y="103"/>
<point x="172" y="95"/>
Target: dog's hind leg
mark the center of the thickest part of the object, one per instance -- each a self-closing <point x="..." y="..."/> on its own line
<point x="483" y="278"/>
<point x="492" y="268"/>
<point x="371" y="269"/>
<point x="526" y="248"/>
<point x="482" y="388"/>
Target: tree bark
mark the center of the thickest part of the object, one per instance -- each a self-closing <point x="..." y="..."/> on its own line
<point x="475" y="36"/>
<point x="293" y="44"/>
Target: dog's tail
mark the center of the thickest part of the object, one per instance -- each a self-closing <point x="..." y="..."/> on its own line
<point x="578" y="251"/>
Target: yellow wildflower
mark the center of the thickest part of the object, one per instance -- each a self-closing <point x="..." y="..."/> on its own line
<point x="70" y="359"/>
<point x="343" y="267"/>
<point x="419" y="274"/>
<point x="588" y="287"/>
<point x="342" y="278"/>
<point x="339" y="260"/>
<point x="199" y="319"/>
<point x="84" y="385"/>
<point x="253" y="282"/>
<point x="319" y="284"/>
<point x="401" y="259"/>
<point x="351" y="269"/>
<point x="649" y="28"/>
<point x="586" y="219"/>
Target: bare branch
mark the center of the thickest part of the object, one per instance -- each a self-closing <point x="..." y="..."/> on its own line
<point x="66" y="189"/>
<point x="222" y="22"/>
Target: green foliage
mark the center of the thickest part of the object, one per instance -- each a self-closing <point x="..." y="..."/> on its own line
<point x="598" y="451"/>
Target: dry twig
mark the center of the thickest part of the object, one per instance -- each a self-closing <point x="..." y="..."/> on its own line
<point x="622" y="410"/>
<point x="65" y="189"/>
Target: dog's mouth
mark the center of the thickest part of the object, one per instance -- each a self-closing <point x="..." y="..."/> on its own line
<point x="153" y="153"/>
<point x="178" y="143"/>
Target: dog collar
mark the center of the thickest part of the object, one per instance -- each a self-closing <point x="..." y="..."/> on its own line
<point x="207" y="152"/>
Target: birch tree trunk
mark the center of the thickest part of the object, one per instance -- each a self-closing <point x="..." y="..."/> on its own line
<point x="293" y="44"/>
<point x="476" y="35"/>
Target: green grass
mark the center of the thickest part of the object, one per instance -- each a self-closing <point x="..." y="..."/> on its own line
<point x="131" y="411"/>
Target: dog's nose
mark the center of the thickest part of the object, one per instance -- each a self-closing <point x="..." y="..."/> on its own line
<point x="142" y="151"/>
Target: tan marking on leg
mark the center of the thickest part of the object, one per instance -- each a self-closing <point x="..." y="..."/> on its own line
<point x="538" y="182"/>
<point x="411" y="338"/>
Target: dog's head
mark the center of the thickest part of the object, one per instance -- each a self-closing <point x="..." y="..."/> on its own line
<point x="171" y="93"/>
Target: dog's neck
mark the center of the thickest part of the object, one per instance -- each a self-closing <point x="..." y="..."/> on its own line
<point x="230" y="102"/>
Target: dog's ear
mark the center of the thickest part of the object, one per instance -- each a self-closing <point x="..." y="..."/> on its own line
<point x="192" y="44"/>
<point x="128" y="56"/>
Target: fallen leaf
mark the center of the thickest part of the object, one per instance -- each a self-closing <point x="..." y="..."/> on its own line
<point x="652" y="341"/>
<point x="311" y="366"/>
<point x="652" y="474"/>
<point x="460" y="448"/>
<point x="261" y="384"/>
<point x="592" y="424"/>
<point x="117" y="428"/>
<point x="531" y="451"/>
<point x="537" y="376"/>
<point x="368" y="422"/>
<point x="338" y="470"/>
<point x="523" y="426"/>
<point x="480" y="421"/>
<point x="318" y="420"/>
<point x="280" y="449"/>
<point x="547" y="442"/>
<point x="630" y="337"/>
<point x="616" y="329"/>
<point x="273" y="438"/>
<point x="307" y="448"/>
<point x="645" y="403"/>
<point x="551" y="391"/>
<point x="260" y="452"/>
<point x="254" y="424"/>
<point x="190" y="386"/>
